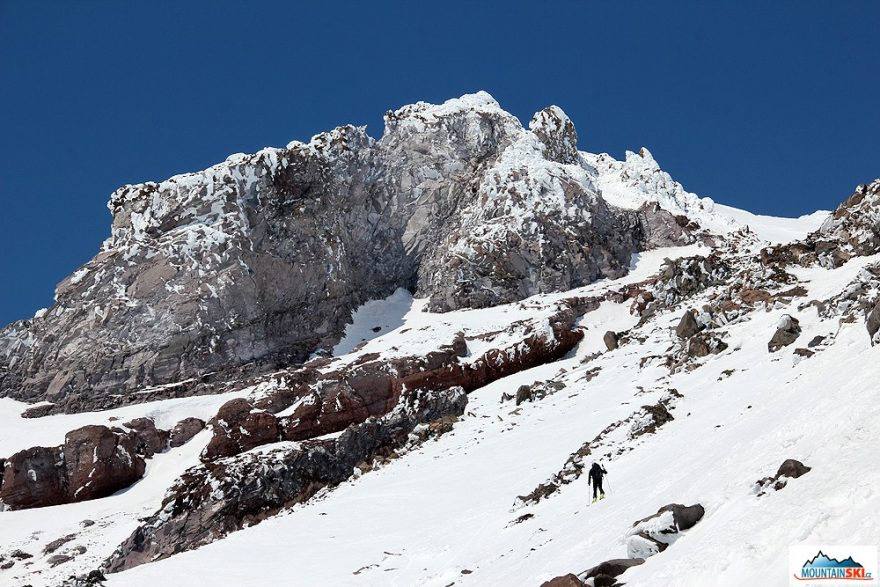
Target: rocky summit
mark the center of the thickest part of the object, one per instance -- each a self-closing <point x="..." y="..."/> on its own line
<point x="258" y="262"/>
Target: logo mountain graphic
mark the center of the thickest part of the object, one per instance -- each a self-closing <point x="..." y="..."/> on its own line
<point x="822" y="560"/>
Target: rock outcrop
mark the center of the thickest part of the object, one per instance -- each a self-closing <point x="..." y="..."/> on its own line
<point x="612" y="568"/>
<point x="239" y="427"/>
<point x="258" y="261"/>
<point x="34" y="477"/>
<point x="335" y="399"/>
<point x="150" y="439"/>
<point x="787" y="331"/>
<point x="93" y="462"/>
<point x="872" y="322"/>
<point x="852" y="230"/>
<point x="184" y="431"/>
<point x="688" y="325"/>
<point x="100" y="462"/>
<point x="653" y="534"/>
<point x="220" y="497"/>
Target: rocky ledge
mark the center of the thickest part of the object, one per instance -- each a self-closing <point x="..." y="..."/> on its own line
<point x="214" y="499"/>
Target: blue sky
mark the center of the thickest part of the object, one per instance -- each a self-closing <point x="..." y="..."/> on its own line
<point x="769" y="106"/>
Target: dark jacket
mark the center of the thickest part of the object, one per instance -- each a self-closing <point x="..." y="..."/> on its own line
<point x="597" y="471"/>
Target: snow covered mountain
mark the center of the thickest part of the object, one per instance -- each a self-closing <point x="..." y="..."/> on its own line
<point x="493" y="311"/>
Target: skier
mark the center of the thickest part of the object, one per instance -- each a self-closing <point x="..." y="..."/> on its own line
<point x="597" y="471"/>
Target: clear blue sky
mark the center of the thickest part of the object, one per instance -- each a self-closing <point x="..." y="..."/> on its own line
<point x="770" y="106"/>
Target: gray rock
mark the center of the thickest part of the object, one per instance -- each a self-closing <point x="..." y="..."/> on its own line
<point x="58" y="543"/>
<point x="792" y="468"/>
<point x="34" y="477"/>
<point x="873" y="321"/>
<point x="569" y="580"/>
<point x="682" y="518"/>
<point x="610" y="340"/>
<point x="149" y="439"/>
<point x="702" y="345"/>
<point x="818" y="339"/>
<point x="58" y="559"/>
<point x="787" y="331"/>
<point x="556" y="131"/>
<point x="91" y="579"/>
<point x="523" y="394"/>
<point x="184" y="430"/>
<point x="613" y="568"/>
<point x="255" y="263"/>
<point x="851" y="230"/>
<point x="688" y="325"/>
<point x="789" y="469"/>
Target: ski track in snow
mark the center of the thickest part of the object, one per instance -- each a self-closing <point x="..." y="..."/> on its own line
<point x="448" y="507"/>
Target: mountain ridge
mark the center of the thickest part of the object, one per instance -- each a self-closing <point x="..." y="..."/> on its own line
<point x="214" y="273"/>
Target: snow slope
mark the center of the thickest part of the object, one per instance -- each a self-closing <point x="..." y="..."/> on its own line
<point x="444" y="514"/>
<point x="772" y="228"/>
<point x="638" y="179"/>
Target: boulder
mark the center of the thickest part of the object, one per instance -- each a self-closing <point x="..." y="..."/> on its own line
<point x="789" y="469"/>
<point x="787" y="331"/>
<point x="569" y="580"/>
<point x="184" y="430"/>
<point x="523" y="394"/>
<point x="58" y="543"/>
<point x="688" y="325"/>
<point x="605" y="581"/>
<point x="702" y="345"/>
<point x="873" y="321"/>
<point x="816" y="341"/>
<point x="663" y="527"/>
<point x="643" y="546"/>
<point x="58" y="559"/>
<point x="148" y="439"/>
<point x="93" y="578"/>
<point x="99" y="462"/>
<point x="792" y="468"/>
<point x="613" y="568"/>
<point x="611" y="340"/>
<point x="650" y="419"/>
<point x="459" y="345"/>
<point x="698" y="346"/>
<point x="34" y="477"/>
<point x="239" y="427"/>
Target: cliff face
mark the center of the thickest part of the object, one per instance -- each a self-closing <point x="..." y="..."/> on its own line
<point x="258" y="261"/>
